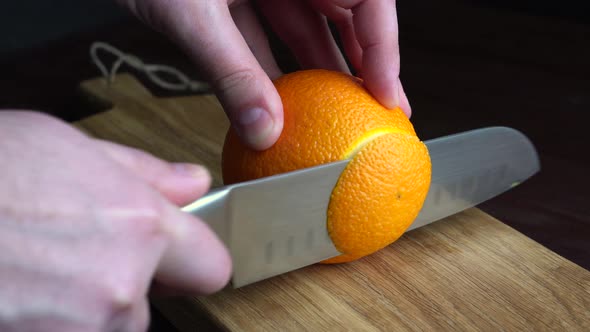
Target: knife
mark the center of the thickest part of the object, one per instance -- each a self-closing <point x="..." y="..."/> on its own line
<point x="277" y="224"/>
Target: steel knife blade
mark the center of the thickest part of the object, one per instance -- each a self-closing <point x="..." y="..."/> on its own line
<point x="277" y="224"/>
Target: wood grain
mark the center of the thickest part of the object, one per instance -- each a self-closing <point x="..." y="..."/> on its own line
<point x="466" y="272"/>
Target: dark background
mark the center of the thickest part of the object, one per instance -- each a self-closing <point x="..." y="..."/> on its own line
<point x="465" y="64"/>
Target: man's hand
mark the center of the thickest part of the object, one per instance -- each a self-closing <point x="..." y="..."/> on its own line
<point x="87" y="227"/>
<point x="226" y="40"/>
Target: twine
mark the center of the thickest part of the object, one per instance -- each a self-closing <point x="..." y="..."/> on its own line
<point x="152" y="71"/>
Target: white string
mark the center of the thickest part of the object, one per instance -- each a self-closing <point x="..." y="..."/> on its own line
<point x="151" y="70"/>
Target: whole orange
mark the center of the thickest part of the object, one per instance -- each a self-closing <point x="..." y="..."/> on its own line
<point x="330" y="116"/>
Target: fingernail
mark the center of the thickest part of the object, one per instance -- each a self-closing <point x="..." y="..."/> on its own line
<point x="250" y="116"/>
<point x="190" y="170"/>
<point x="254" y="125"/>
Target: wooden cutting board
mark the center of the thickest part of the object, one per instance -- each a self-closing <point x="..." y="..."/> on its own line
<point x="466" y="272"/>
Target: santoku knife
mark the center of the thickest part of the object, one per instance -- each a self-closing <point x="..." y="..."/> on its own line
<point x="278" y="224"/>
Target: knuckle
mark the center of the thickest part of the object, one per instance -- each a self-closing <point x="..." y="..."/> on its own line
<point x="120" y="296"/>
<point x="236" y="79"/>
<point x="142" y="161"/>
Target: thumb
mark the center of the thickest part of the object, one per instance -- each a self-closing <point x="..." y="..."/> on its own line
<point x="251" y="104"/>
<point x="246" y="92"/>
<point x="207" y="31"/>
<point x="179" y="183"/>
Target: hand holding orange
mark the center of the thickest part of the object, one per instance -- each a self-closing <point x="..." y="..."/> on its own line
<point x="330" y="116"/>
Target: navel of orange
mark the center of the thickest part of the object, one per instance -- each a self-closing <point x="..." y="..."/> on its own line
<point x="330" y="116"/>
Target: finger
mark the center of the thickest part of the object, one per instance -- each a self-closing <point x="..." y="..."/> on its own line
<point x="404" y="102"/>
<point x="179" y="183"/>
<point x="139" y="317"/>
<point x="207" y="31"/>
<point x="128" y="316"/>
<point x="375" y="25"/>
<point x="306" y="33"/>
<point x="342" y="18"/>
<point x="196" y="261"/>
<point x="247" y="22"/>
<point x="352" y="48"/>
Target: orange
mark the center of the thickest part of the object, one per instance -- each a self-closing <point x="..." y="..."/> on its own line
<point x="330" y="116"/>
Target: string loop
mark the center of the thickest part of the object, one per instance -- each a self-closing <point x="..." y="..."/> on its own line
<point x="152" y="71"/>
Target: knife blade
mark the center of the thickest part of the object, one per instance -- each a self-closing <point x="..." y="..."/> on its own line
<point x="277" y="224"/>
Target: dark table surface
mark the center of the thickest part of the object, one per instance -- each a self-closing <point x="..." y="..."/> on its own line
<point x="465" y="64"/>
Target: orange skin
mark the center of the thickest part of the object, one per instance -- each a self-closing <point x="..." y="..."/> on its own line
<point x="330" y="116"/>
